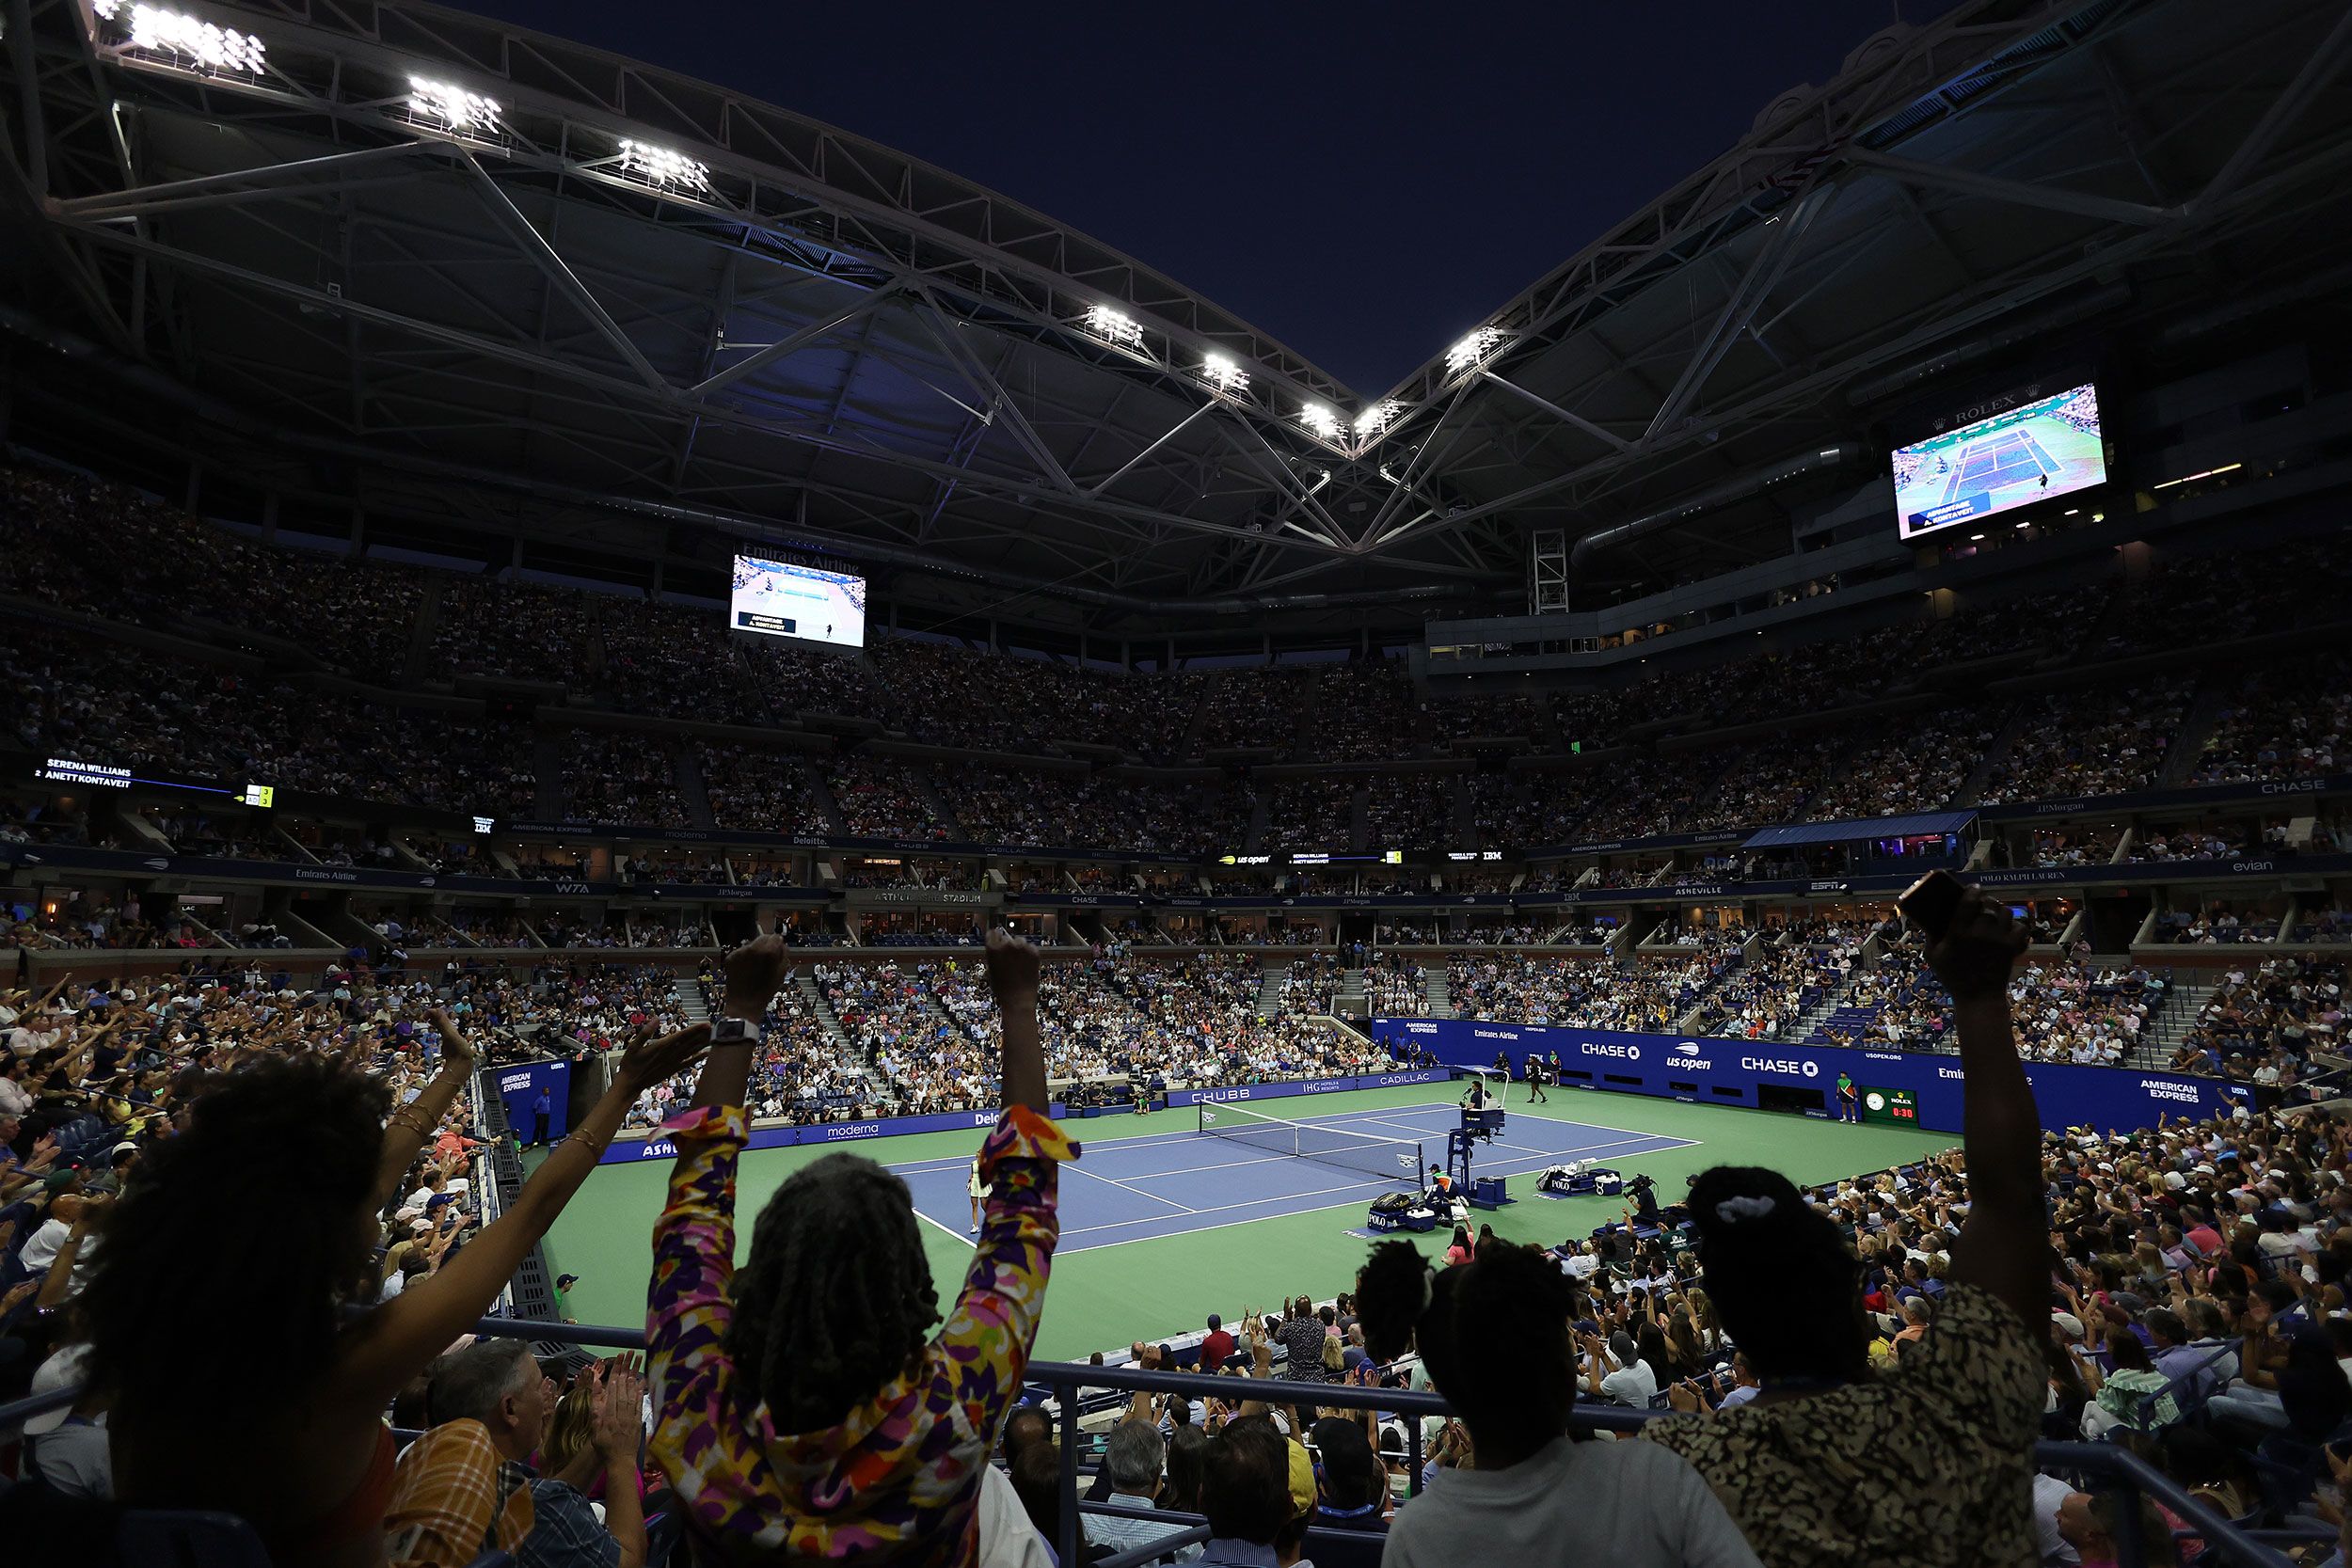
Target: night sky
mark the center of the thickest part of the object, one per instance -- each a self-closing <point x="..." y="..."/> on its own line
<point x="1364" y="183"/>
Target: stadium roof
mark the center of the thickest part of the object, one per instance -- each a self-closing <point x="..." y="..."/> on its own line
<point x="459" y="272"/>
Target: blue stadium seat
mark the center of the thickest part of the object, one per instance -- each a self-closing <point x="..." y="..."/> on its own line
<point x="187" y="1538"/>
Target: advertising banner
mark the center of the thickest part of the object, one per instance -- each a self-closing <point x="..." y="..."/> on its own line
<point x="522" y="1088"/>
<point x="1800" y="1078"/>
<point x="977" y="1122"/>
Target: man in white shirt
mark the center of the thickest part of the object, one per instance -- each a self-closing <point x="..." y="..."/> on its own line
<point x="1632" y="1384"/>
<point x="42" y="1247"/>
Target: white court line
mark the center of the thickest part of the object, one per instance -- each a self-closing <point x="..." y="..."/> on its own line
<point x="1081" y="1170"/>
<point x="1352" y="1186"/>
<point x="1164" y="1235"/>
<point x="1149" y="1140"/>
<point x="1285" y="1158"/>
<point x="944" y="1229"/>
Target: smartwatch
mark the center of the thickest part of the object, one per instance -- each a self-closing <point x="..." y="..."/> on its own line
<point x="733" y="1031"/>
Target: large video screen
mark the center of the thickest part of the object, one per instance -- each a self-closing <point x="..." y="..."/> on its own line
<point x="2035" y="450"/>
<point x="777" y="598"/>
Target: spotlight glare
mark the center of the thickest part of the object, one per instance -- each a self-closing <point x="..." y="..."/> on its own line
<point x="453" y="107"/>
<point x="1117" y="326"/>
<point x="186" y="42"/>
<point x="1374" y="419"/>
<point x="658" y="166"/>
<point x="1221" y="372"/>
<point x="1471" y="349"/>
<point x="1319" y="418"/>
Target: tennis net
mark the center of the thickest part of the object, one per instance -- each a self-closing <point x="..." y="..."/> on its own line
<point x="1396" y="1161"/>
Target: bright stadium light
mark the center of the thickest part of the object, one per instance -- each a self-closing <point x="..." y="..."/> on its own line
<point x="1320" y="419"/>
<point x="1117" y="326"/>
<point x="189" y="43"/>
<point x="1373" y="420"/>
<point x="658" y="166"/>
<point x="1471" y="349"/>
<point x="1224" y="373"/>
<point x="452" y="108"/>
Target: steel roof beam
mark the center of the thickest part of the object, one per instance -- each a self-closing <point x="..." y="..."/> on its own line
<point x="816" y="331"/>
<point x="2320" y="67"/>
<point x="559" y="273"/>
<point x="2020" y="193"/>
<point x="1755" y="287"/>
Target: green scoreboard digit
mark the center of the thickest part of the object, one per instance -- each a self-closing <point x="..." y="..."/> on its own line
<point x="1898" y="1107"/>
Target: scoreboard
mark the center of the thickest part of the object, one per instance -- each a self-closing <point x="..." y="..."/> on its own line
<point x="1895" y="1107"/>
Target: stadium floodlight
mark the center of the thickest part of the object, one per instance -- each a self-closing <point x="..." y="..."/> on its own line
<point x="452" y="108"/>
<point x="1319" y="418"/>
<point x="1471" y="349"/>
<point x="1223" y="373"/>
<point x="192" y="44"/>
<point x="1374" y="419"/>
<point x="658" y="166"/>
<point x="1117" y="326"/>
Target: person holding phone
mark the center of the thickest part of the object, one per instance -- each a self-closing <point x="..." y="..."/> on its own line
<point x="1951" y="1426"/>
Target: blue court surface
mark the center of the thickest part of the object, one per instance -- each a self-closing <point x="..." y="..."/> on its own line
<point x="1167" y="1183"/>
<point x="2011" y="459"/>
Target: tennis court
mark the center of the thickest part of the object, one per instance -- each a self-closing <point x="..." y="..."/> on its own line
<point x="1241" y="1169"/>
<point x="1162" y="1226"/>
<point x="2010" y="458"/>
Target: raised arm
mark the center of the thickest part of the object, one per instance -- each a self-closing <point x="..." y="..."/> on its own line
<point x="2003" y="1248"/>
<point x="401" y="1337"/>
<point x="754" y="972"/>
<point x="406" y="1133"/>
<point x="1013" y="971"/>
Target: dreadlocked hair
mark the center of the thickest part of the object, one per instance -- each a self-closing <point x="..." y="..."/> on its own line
<point x="836" y="1299"/>
<point x="288" y="1149"/>
<point x="1786" y="1286"/>
<point x="1508" y="1295"/>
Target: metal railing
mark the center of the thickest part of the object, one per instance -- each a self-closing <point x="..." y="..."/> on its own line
<point x="2107" y="1466"/>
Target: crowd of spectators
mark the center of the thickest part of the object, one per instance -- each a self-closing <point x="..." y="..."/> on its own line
<point x="880" y="798"/>
<point x="1395" y="986"/>
<point x="2099" y="742"/>
<point x="1929" y="1280"/>
<point x="1653" y="992"/>
<point x="2281" y="727"/>
<point x="759" y="790"/>
<point x="614" y="776"/>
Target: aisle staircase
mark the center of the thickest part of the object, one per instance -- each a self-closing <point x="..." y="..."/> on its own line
<point x="687" y="768"/>
<point x="1347" y="1000"/>
<point x="553" y="797"/>
<point x="2182" y="1001"/>
<point x="1434" y="990"/>
<point x="688" y="992"/>
<point x="1271" y="974"/>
